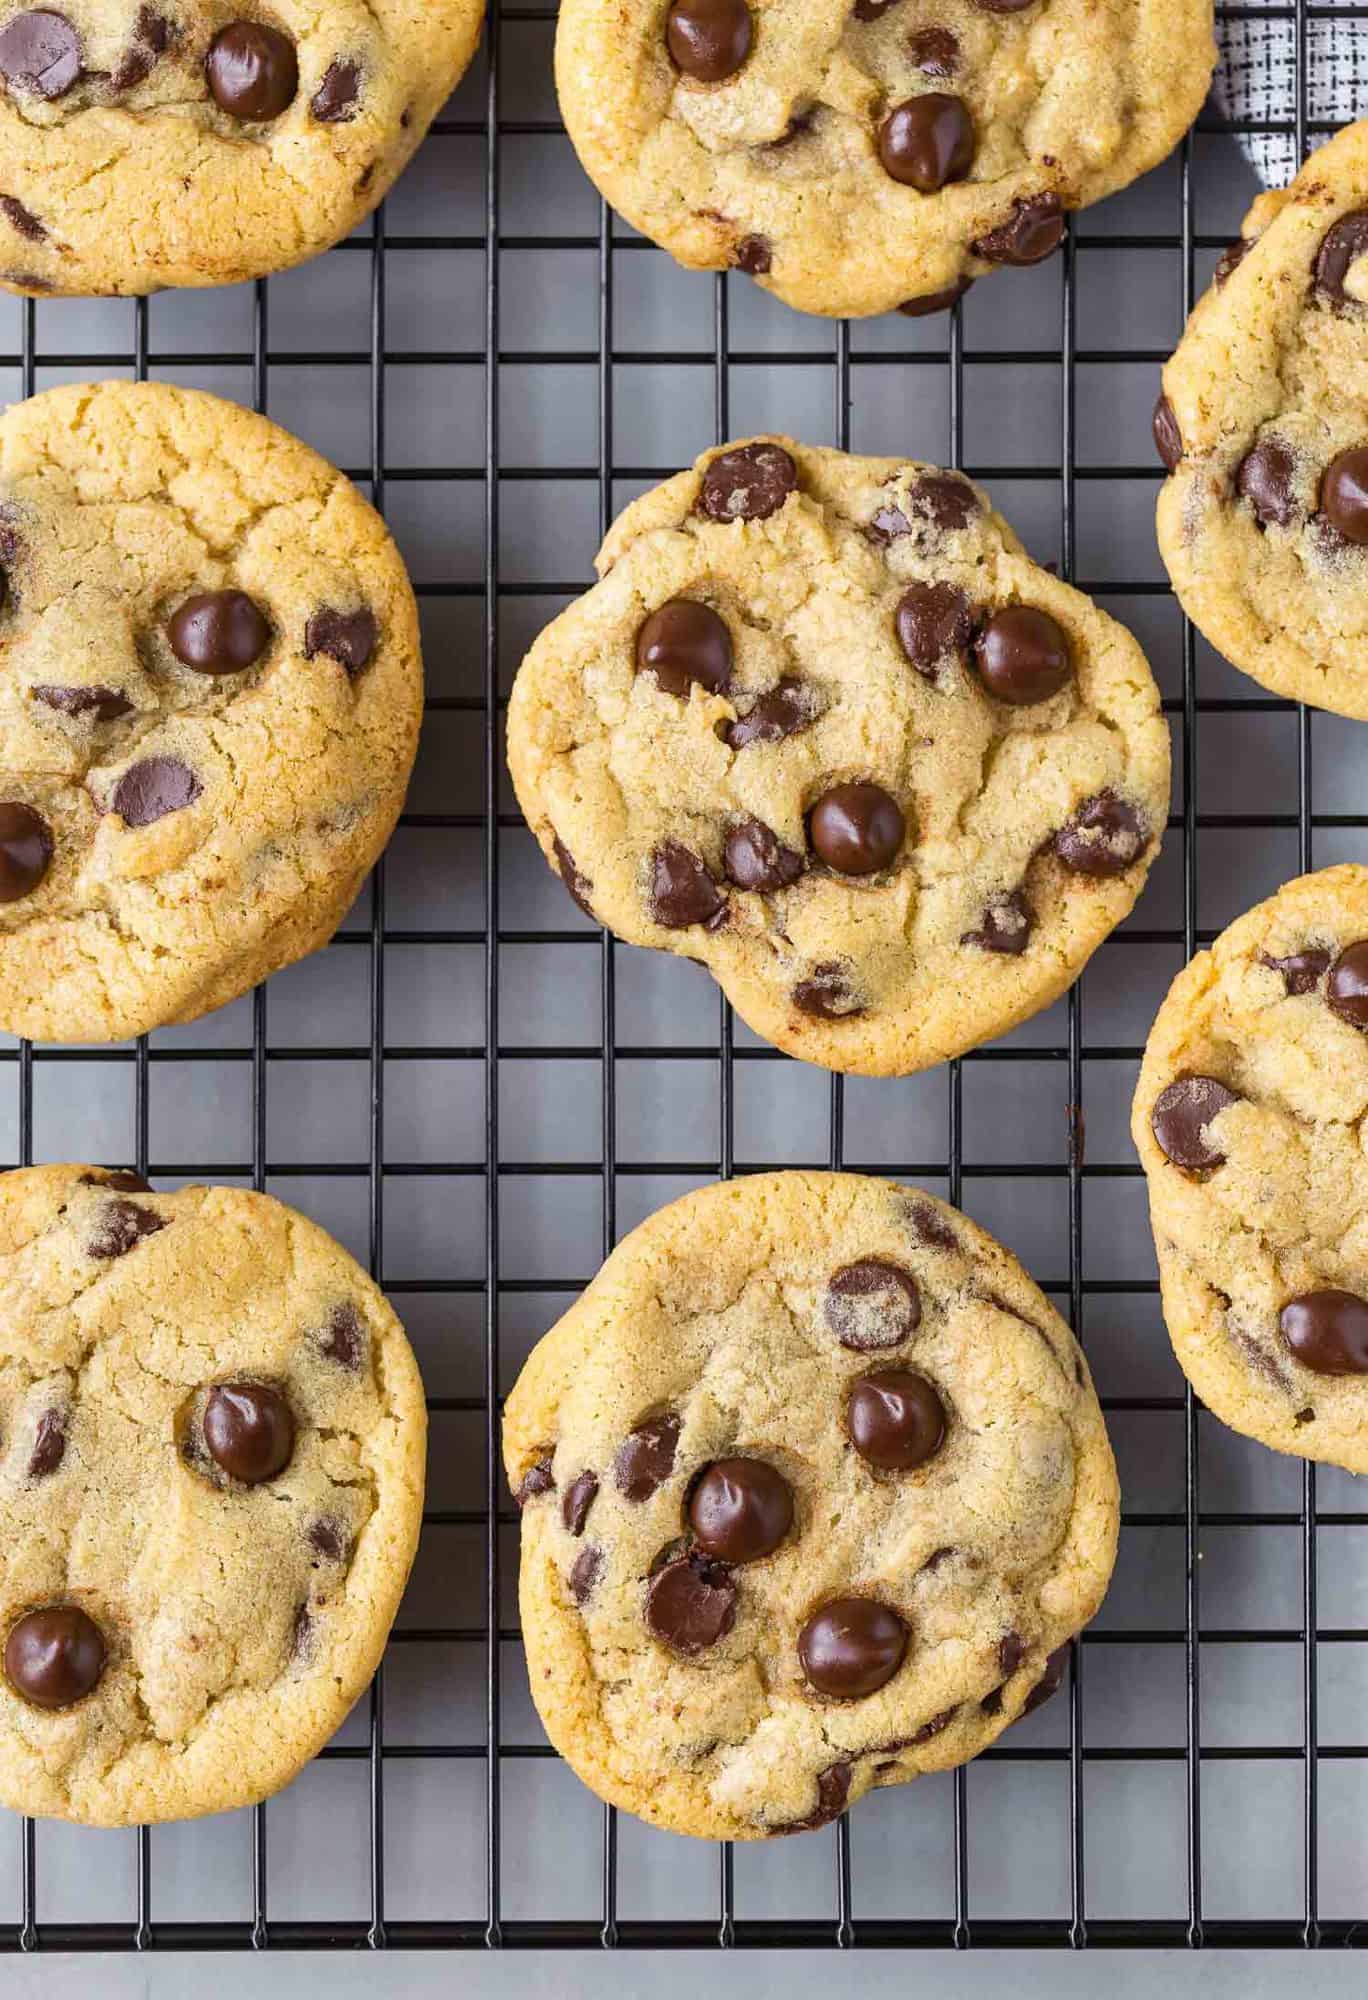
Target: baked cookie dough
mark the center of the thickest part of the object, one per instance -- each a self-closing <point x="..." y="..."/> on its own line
<point x="210" y="691"/>
<point x="815" y="1491"/>
<point x="1247" y="1117"/>
<point x="211" y="1481"/>
<point x="178" y="143"/>
<point x="857" y="158"/>
<point x="1263" y="428"/>
<point x="824" y="726"/>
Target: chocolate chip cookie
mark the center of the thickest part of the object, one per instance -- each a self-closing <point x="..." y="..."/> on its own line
<point x="1263" y="429"/>
<point x="815" y="1491"/>
<point x="825" y="727"/>
<point x="211" y="1481"/>
<point x="173" y="143"/>
<point x="1247" y="1118"/>
<point x="210" y="690"/>
<point x="853" y="158"/>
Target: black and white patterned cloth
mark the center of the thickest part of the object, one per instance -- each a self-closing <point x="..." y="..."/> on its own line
<point x="1256" y="84"/>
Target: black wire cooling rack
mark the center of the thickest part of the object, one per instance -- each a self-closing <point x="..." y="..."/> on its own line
<point x="972" y="1919"/>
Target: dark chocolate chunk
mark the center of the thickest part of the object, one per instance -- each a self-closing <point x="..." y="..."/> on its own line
<point x="740" y="1509"/>
<point x="646" y="1460"/>
<point x="691" y="1603"/>
<point x="748" y="484"/>
<point x="850" y="1647"/>
<point x="345" y="636"/>
<point x="578" y="1498"/>
<point x="252" y="71"/>
<point x="149" y="790"/>
<point x="1182" y="1113"/>
<point x="872" y="1305"/>
<point x="249" y="1430"/>
<point x="54" y="1656"/>
<point x="119" y="1226"/>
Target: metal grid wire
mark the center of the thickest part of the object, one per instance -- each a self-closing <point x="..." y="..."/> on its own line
<point x="971" y="1921"/>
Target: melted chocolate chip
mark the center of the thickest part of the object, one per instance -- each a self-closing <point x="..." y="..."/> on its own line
<point x="148" y="791"/>
<point x="249" y="1430"/>
<point x="1168" y="439"/>
<point x="40" y="51"/>
<point x="328" y="1538"/>
<point x="345" y="636"/>
<point x="1003" y="6"/>
<point x="827" y="994"/>
<point x="1343" y="244"/>
<point x="1033" y="229"/>
<point x="1344" y="495"/>
<point x="851" y="1647"/>
<point x="928" y="141"/>
<point x="25" y="850"/>
<point x="1011" y="1652"/>
<point x="691" y="1604"/>
<point x="740" y="1510"/>
<point x="748" y="484"/>
<point x="833" y="1789"/>
<point x="1022" y="656"/>
<point x="1302" y="971"/>
<point x="219" y="632"/>
<point x="1229" y="260"/>
<point x="1327" y="1331"/>
<point x="683" y="890"/>
<point x="252" y="71"/>
<point x="1182" y="1113"/>
<point x="709" y="39"/>
<point x="937" y="1725"/>
<point x="1048" y="1684"/>
<point x="1007" y="925"/>
<point x="928" y="1226"/>
<point x="646" y="1460"/>
<point x="944" y="499"/>
<point x="1264" y="478"/>
<point x="870" y="10"/>
<point x="684" y="642"/>
<point x="123" y="1179"/>
<point x="935" y="302"/>
<point x="755" y="858"/>
<point x="872" y="1305"/>
<point x="895" y="1419"/>
<point x="585" y="1572"/>
<point x="54" y="1656"/>
<point x="782" y="712"/>
<point x="301" y="1634"/>
<point x="102" y="704"/>
<point x="343" y="1339"/>
<point x="121" y="1224"/>
<point x="934" y="623"/>
<point x="578" y="1498"/>
<point x="152" y="37"/>
<point x="49" y="1444"/>
<point x="21" y="220"/>
<point x="857" y="829"/>
<point x="538" y="1479"/>
<point x="334" y="101"/>
<point x="1105" y="837"/>
<point x="1346" y="992"/>
<point x="754" y="255"/>
<point x="934" y="51"/>
<point x="578" y="887"/>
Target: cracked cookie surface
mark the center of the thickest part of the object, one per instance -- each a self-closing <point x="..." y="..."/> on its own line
<point x="824" y="726"/>
<point x="815" y="1490"/>
<point x="183" y="143"/>
<point x="211" y="1482"/>
<point x="1248" y="1120"/>
<point x="854" y="158"/>
<point x="1263" y="428"/>
<point x="209" y="705"/>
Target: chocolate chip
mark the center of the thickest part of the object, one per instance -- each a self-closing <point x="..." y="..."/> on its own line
<point x="218" y="632"/>
<point x="328" y="1538"/>
<point x="748" y="484"/>
<point x="755" y="858"/>
<point x="1264" y="478"/>
<point x="935" y="1727"/>
<point x="1048" y="1684"/>
<point x="1034" y="228"/>
<point x="1105" y="837"/>
<point x="691" y="1604"/>
<point x="578" y="887"/>
<point x="1003" y="6"/>
<point x="152" y="37"/>
<point x="708" y="39"/>
<point x="872" y="1304"/>
<point x="249" y="1430"/>
<point x="148" y="791"/>
<point x="684" y="642"/>
<point x="54" y="1656"/>
<point x="343" y="1339"/>
<point x="334" y="101"/>
<point x="740" y="1510"/>
<point x="585" y="1572"/>
<point x="578" y="1498"/>
<point x="827" y="994"/>
<point x="121" y="1224"/>
<point x="25" y="850"/>
<point x="1022" y="656"/>
<point x="252" y="71"/>
<point x="345" y="636"/>
<point x="1168" y="439"/>
<point x="1302" y="971"/>
<point x="123" y="1179"/>
<point x="1327" y="1331"/>
<point x="301" y="1634"/>
<point x="887" y="525"/>
<point x="1230" y="258"/>
<point x="1011" y="1652"/>
<point x="934" y="623"/>
<point x="1007" y="925"/>
<point x="538" y="1479"/>
<point x="771" y="717"/>
<point x="833" y="1784"/>
<point x="895" y="1419"/>
<point x="927" y="141"/>
<point x="870" y="10"/>
<point x="49" y="1444"/>
<point x="935" y="302"/>
<point x="645" y="1461"/>
<point x="753" y="255"/>
<point x="944" y="499"/>
<point x="934" y="51"/>
<point x="40" y="51"/>
<point x="1343" y="244"/>
<point x="851" y="1647"/>
<point x="1346" y="992"/>
<point x="20" y="219"/>
<point x="1344" y="495"/>
<point x="683" y="890"/>
<point x="857" y="829"/>
<point x="103" y="704"/>
<point x="1182" y="1112"/>
<point x="928" y="1226"/>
